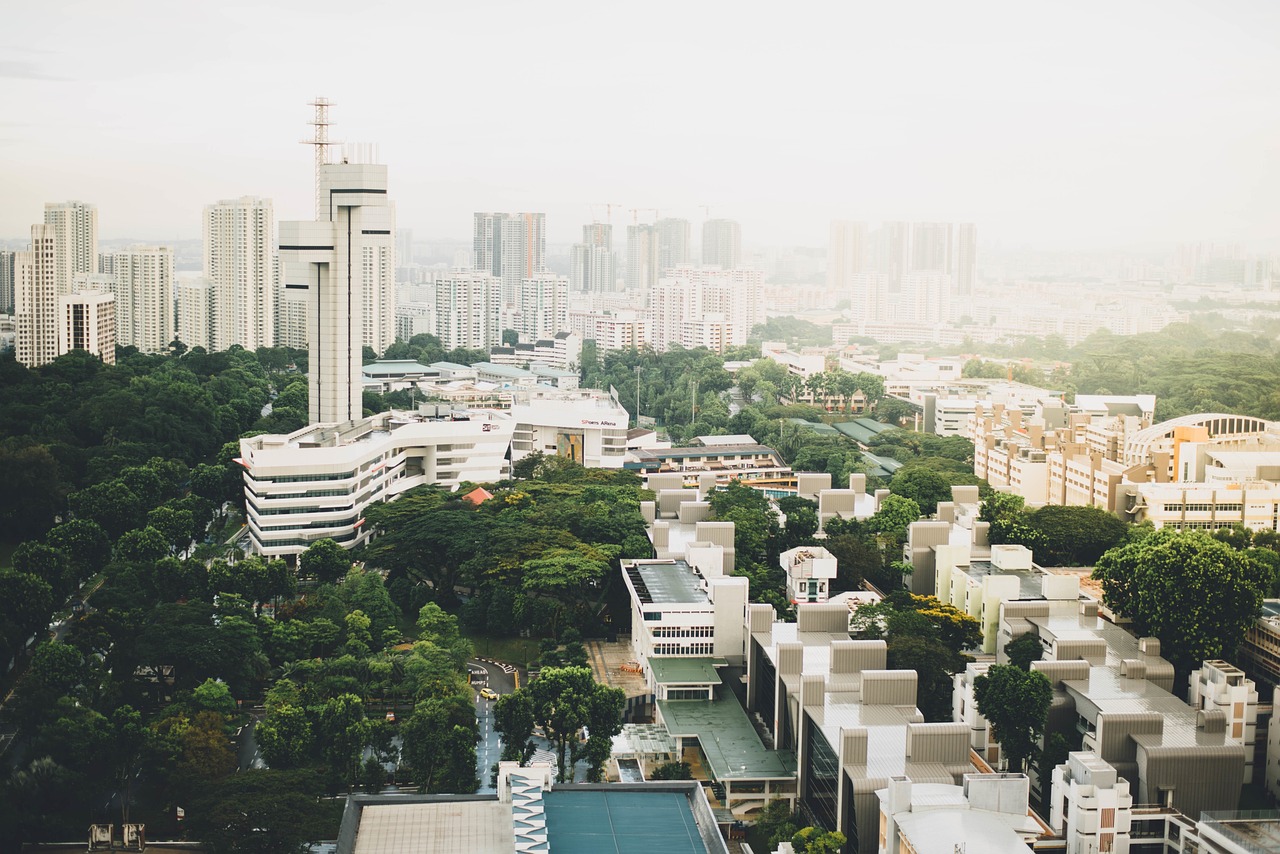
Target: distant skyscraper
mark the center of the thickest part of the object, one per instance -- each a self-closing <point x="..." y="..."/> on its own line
<point x="722" y="244"/>
<point x="847" y="254"/>
<point x="87" y="321"/>
<point x="592" y="260"/>
<point x="238" y="246"/>
<point x="346" y="262"/>
<point x="36" y="298"/>
<point x="642" y="257"/>
<point x="931" y="247"/>
<point x="6" y="282"/>
<point x="74" y="231"/>
<point x="966" y="257"/>
<point x="141" y="278"/>
<point x="404" y="246"/>
<point x="892" y="249"/>
<point x="468" y="309"/>
<point x="673" y="244"/>
<point x="512" y="247"/>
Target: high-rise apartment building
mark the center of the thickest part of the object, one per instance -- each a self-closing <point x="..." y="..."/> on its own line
<point x="74" y="231"/>
<point x="6" y="282"/>
<point x="345" y="262"/>
<point x="722" y="244"/>
<point x="674" y="241"/>
<point x="847" y="254"/>
<point x="468" y="309"/>
<point x="931" y="247"/>
<point x="36" y="299"/>
<point x="642" y="257"/>
<point x="238" y="247"/>
<point x="592" y="260"/>
<point x="510" y="246"/>
<point x="543" y="307"/>
<point x="87" y="321"/>
<point x="705" y="307"/>
<point x="195" y="313"/>
<point x="141" y="278"/>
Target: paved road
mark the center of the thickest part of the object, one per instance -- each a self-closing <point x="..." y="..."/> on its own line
<point x="501" y="678"/>
<point x="249" y="754"/>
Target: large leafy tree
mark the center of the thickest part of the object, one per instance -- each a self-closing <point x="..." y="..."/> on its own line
<point x="261" y="812"/>
<point x="440" y="744"/>
<point x="563" y="700"/>
<point x="1196" y="594"/>
<point x="325" y="561"/>
<point x="1016" y="704"/>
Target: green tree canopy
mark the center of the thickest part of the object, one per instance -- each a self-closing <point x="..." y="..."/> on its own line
<point x="1015" y="703"/>
<point x="1196" y="594"/>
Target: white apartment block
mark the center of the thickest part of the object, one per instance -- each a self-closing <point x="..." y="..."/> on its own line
<point x="542" y="308"/>
<point x="316" y="482"/>
<point x="239" y="245"/>
<point x="36" y="299"/>
<point x="291" y="317"/>
<point x="848" y="254"/>
<point x="87" y="321"/>
<point x="1092" y="806"/>
<point x="141" y="278"/>
<point x="468" y="308"/>
<point x="1206" y="507"/>
<point x="195" y="312"/>
<point x="704" y="307"/>
<point x="345" y="263"/>
<point x="415" y="318"/>
<point x="1221" y="687"/>
<point x="73" y="228"/>
<point x="585" y="425"/>
<point x="619" y="330"/>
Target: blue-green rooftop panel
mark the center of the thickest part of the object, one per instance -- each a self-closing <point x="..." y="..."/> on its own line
<point x="598" y="822"/>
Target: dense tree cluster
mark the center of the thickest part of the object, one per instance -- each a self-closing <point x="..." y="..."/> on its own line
<point x="1057" y="535"/>
<point x="540" y="555"/>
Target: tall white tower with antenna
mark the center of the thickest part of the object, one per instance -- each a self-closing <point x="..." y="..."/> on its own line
<point x="344" y="264"/>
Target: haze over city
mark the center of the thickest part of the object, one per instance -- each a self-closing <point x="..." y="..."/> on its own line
<point x="1066" y="126"/>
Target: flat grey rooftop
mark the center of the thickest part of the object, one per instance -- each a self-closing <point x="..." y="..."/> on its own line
<point x="1030" y="581"/>
<point x="620" y="822"/>
<point x="1110" y="693"/>
<point x="1256" y="831"/>
<point x="671" y="584"/>
<point x="457" y="827"/>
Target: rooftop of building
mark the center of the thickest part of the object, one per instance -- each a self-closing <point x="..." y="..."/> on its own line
<point x="686" y="671"/>
<point x="750" y="450"/>
<point x="579" y="819"/>
<point x="941" y="814"/>
<point x="396" y="367"/>
<point x="666" y="583"/>
<point x="1109" y="693"/>
<point x="1030" y="581"/>
<point x="508" y="371"/>
<point x="728" y="738"/>
<point x="1254" y="831"/>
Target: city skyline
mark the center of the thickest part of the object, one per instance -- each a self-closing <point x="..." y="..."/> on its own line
<point x="1044" y="128"/>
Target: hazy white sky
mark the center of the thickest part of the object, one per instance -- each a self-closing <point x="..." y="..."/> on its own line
<point x="1054" y="124"/>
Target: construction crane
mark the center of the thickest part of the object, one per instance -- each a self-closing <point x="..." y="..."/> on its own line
<point x="608" y="210"/>
<point x="635" y="212"/>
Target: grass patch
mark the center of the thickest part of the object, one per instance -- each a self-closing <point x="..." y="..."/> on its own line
<point x="514" y="650"/>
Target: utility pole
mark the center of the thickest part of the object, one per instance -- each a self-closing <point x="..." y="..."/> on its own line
<point x="637" y="395"/>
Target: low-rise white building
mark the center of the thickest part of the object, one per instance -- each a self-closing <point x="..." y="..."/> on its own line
<point x="87" y="321"/>
<point x="585" y="425"/>
<point x="810" y="570"/>
<point x="316" y="482"/>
